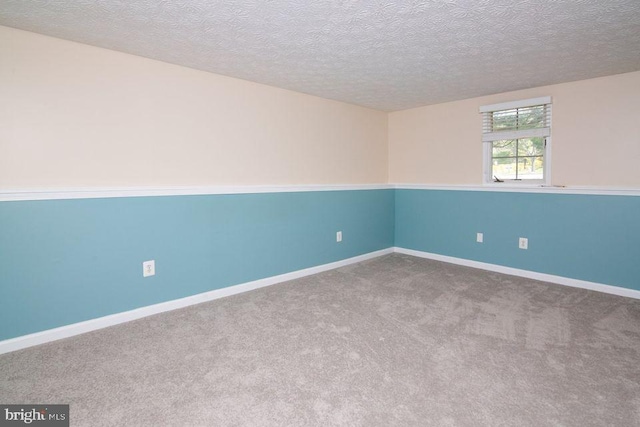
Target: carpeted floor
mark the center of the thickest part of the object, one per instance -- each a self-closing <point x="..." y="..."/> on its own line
<point x="394" y="341"/>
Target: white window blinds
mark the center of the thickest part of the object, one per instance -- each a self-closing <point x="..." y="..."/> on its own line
<point x="528" y="118"/>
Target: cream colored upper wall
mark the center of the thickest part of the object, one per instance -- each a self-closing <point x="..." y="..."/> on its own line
<point x="73" y="115"/>
<point x="595" y="136"/>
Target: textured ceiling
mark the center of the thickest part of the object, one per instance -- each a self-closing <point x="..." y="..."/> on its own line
<point x="388" y="55"/>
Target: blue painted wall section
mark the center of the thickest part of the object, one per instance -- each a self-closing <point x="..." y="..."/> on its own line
<point x="587" y="237"/>
<point x="66" y="261"/>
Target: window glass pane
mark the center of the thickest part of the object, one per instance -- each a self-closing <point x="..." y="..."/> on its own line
<point x="520" y="159"/>
<point x="531" y="146"/>
<point x="530" y="167"/>
<point x="503" y="168"/>
<point x="504" y="148"/>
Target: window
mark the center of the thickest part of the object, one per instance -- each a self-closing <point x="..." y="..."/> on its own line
<point x="516" y="137"/>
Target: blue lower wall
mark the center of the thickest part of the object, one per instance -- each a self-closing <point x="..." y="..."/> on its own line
<point x="587" y="237"/>
<point x="66" y="261"/>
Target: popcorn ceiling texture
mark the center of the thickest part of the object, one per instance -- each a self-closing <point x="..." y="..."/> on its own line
<point x="387" y="55"/>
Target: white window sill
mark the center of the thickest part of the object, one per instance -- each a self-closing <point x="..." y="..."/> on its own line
<point x="510" y="184"/>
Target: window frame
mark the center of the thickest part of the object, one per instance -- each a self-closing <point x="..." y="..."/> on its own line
<point x="487" y="152"/>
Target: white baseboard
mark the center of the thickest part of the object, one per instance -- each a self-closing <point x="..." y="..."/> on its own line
<point x="43" y="337"/>
<point x="49" y="335"/>
<point x="560" y="280"/>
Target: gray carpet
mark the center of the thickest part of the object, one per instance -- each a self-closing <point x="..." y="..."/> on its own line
<point x="394" y="341"/>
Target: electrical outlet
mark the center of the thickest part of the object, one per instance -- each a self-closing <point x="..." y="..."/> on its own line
<point x="339" y="236"/>
<point x="149" y="268"/>
<point x="479" y="237"/>
<point x="523" y="243"/>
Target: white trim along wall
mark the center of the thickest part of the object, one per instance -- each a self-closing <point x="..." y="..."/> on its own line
<point x="549" y="189"/>
<point x="66" y="331"/>
<point x="103" y="193"/>
<point x="100" y="193"/>
<point x="55" y="334"/>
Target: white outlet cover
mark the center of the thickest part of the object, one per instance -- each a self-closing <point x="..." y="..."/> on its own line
<point x="339" y="236"/>
<point x="479" y="237"/>
<point x="523" y="243"/>
<point x="149" y="268"/>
